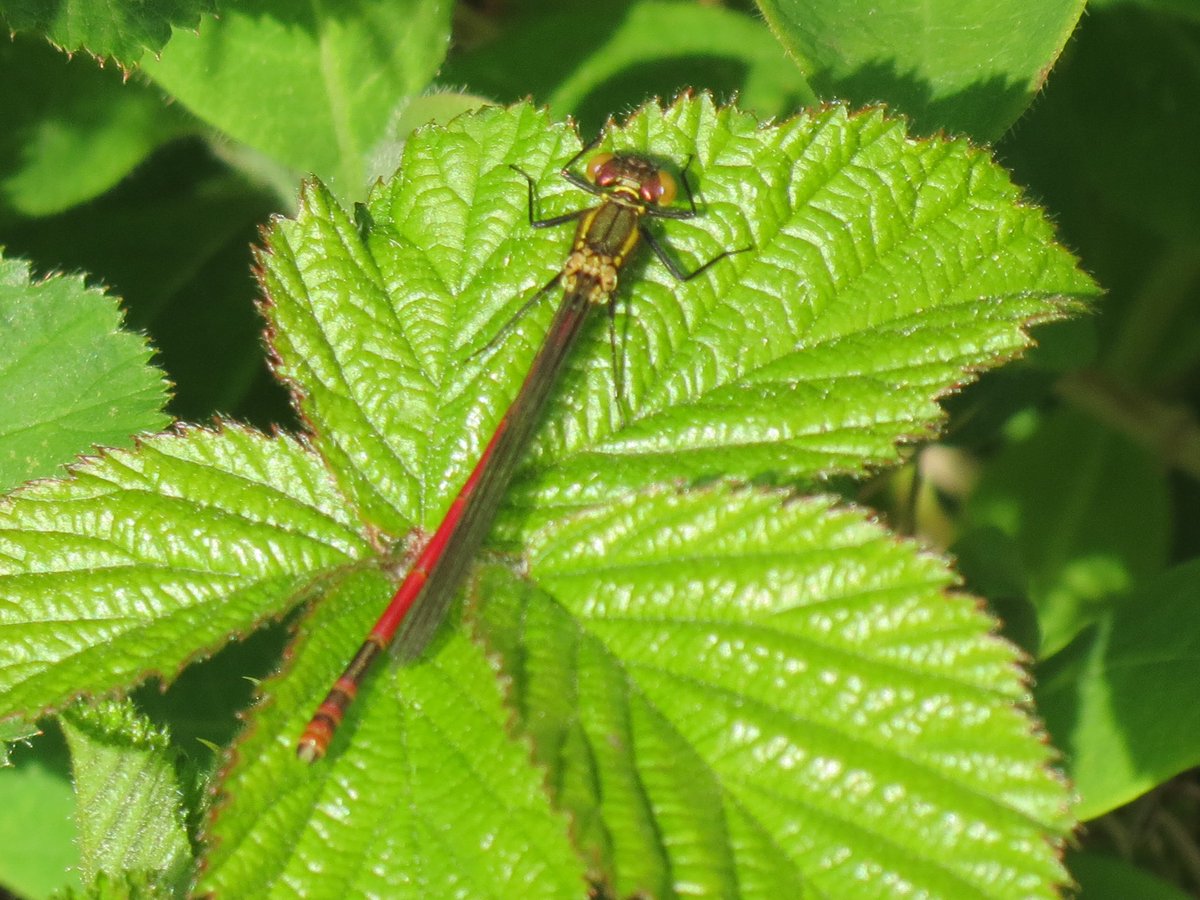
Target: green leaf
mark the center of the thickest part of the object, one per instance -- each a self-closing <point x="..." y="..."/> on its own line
<point x="991" y="565"/>
<point x="142" y="560"/>
<point x="884" y="272"/>
<point x="1120" y="700"/>
<point x="747" y="696"/>
<point x="311" y="86"/>
<point x="588" y="74"/>
<point x="435" y="801"/>
<point x="1098" y="134"/>
<point x="71" y="378"/>
<point x="103" y="28"/>
<point x="1106" y="148"/>
<point x="1109" y="878"/>
<point x="37" y="826"/>
<point x="14" y="731"/>
<point x="900" y="261"/>
<point x="173" y="240"/>
<point x="437" y="106"/>
<point x="1089" y="511"/>
<point x="129" y="813"/>
<point x="970" y="66"/>
<point x="72" y="130"/>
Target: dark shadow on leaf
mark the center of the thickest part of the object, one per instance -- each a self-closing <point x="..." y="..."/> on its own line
<point x="983" y="110"/>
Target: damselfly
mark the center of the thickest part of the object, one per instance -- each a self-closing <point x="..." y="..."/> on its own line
<point x="632" y="187"/>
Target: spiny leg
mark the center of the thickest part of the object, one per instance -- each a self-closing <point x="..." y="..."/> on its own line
<point x="533" y="201"/>
<point x="578" y="180"/>
<point x="673" y="266"/>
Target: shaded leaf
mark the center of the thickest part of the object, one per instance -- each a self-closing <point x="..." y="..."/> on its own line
<point x="37" y="827"/>
<point x="1111" y="878"/>
<point x="968" y="67"/>
<point x="173" y="241"/>
<point x="72" y="130"/>
<point x="619" y="59"/>
<point x="1119" y="699"/>
<point x="103" y="28"/>
<point x="130" y="808"/>
<point x="312" y="87"/>
<point x="71" y="378"/>
<point x="1088" y="510"/>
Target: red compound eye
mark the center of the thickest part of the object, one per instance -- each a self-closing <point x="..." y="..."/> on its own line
<point x="599" y="169"/>
<point x="659" y="190"/>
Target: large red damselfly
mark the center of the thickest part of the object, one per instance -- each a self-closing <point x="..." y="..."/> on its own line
<point x="631" y="187"/>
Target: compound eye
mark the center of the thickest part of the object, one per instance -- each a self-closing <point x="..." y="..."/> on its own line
<point x="598" y="170"/>
<point x="660" y="189"/>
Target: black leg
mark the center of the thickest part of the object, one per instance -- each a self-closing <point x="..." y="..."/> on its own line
<point x="673" y="267"/>
<point x="578" y="180"/>
<point x="618" y="363"/>
<point x="687" y="187"/>
<point x="618" y="356"/>
<point x="515" y="318"/>
<point x="553" y="220"/>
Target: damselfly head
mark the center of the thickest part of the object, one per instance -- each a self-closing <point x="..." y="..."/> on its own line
<point x="632" y="174"/>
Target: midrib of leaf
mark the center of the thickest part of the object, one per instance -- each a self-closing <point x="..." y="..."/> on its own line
<point x="144" y="559"/>
<point x="642" y="641"/>
<point x="472" y="267"/>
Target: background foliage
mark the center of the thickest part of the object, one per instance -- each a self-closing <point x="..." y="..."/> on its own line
<point x="1064" y="484"/>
